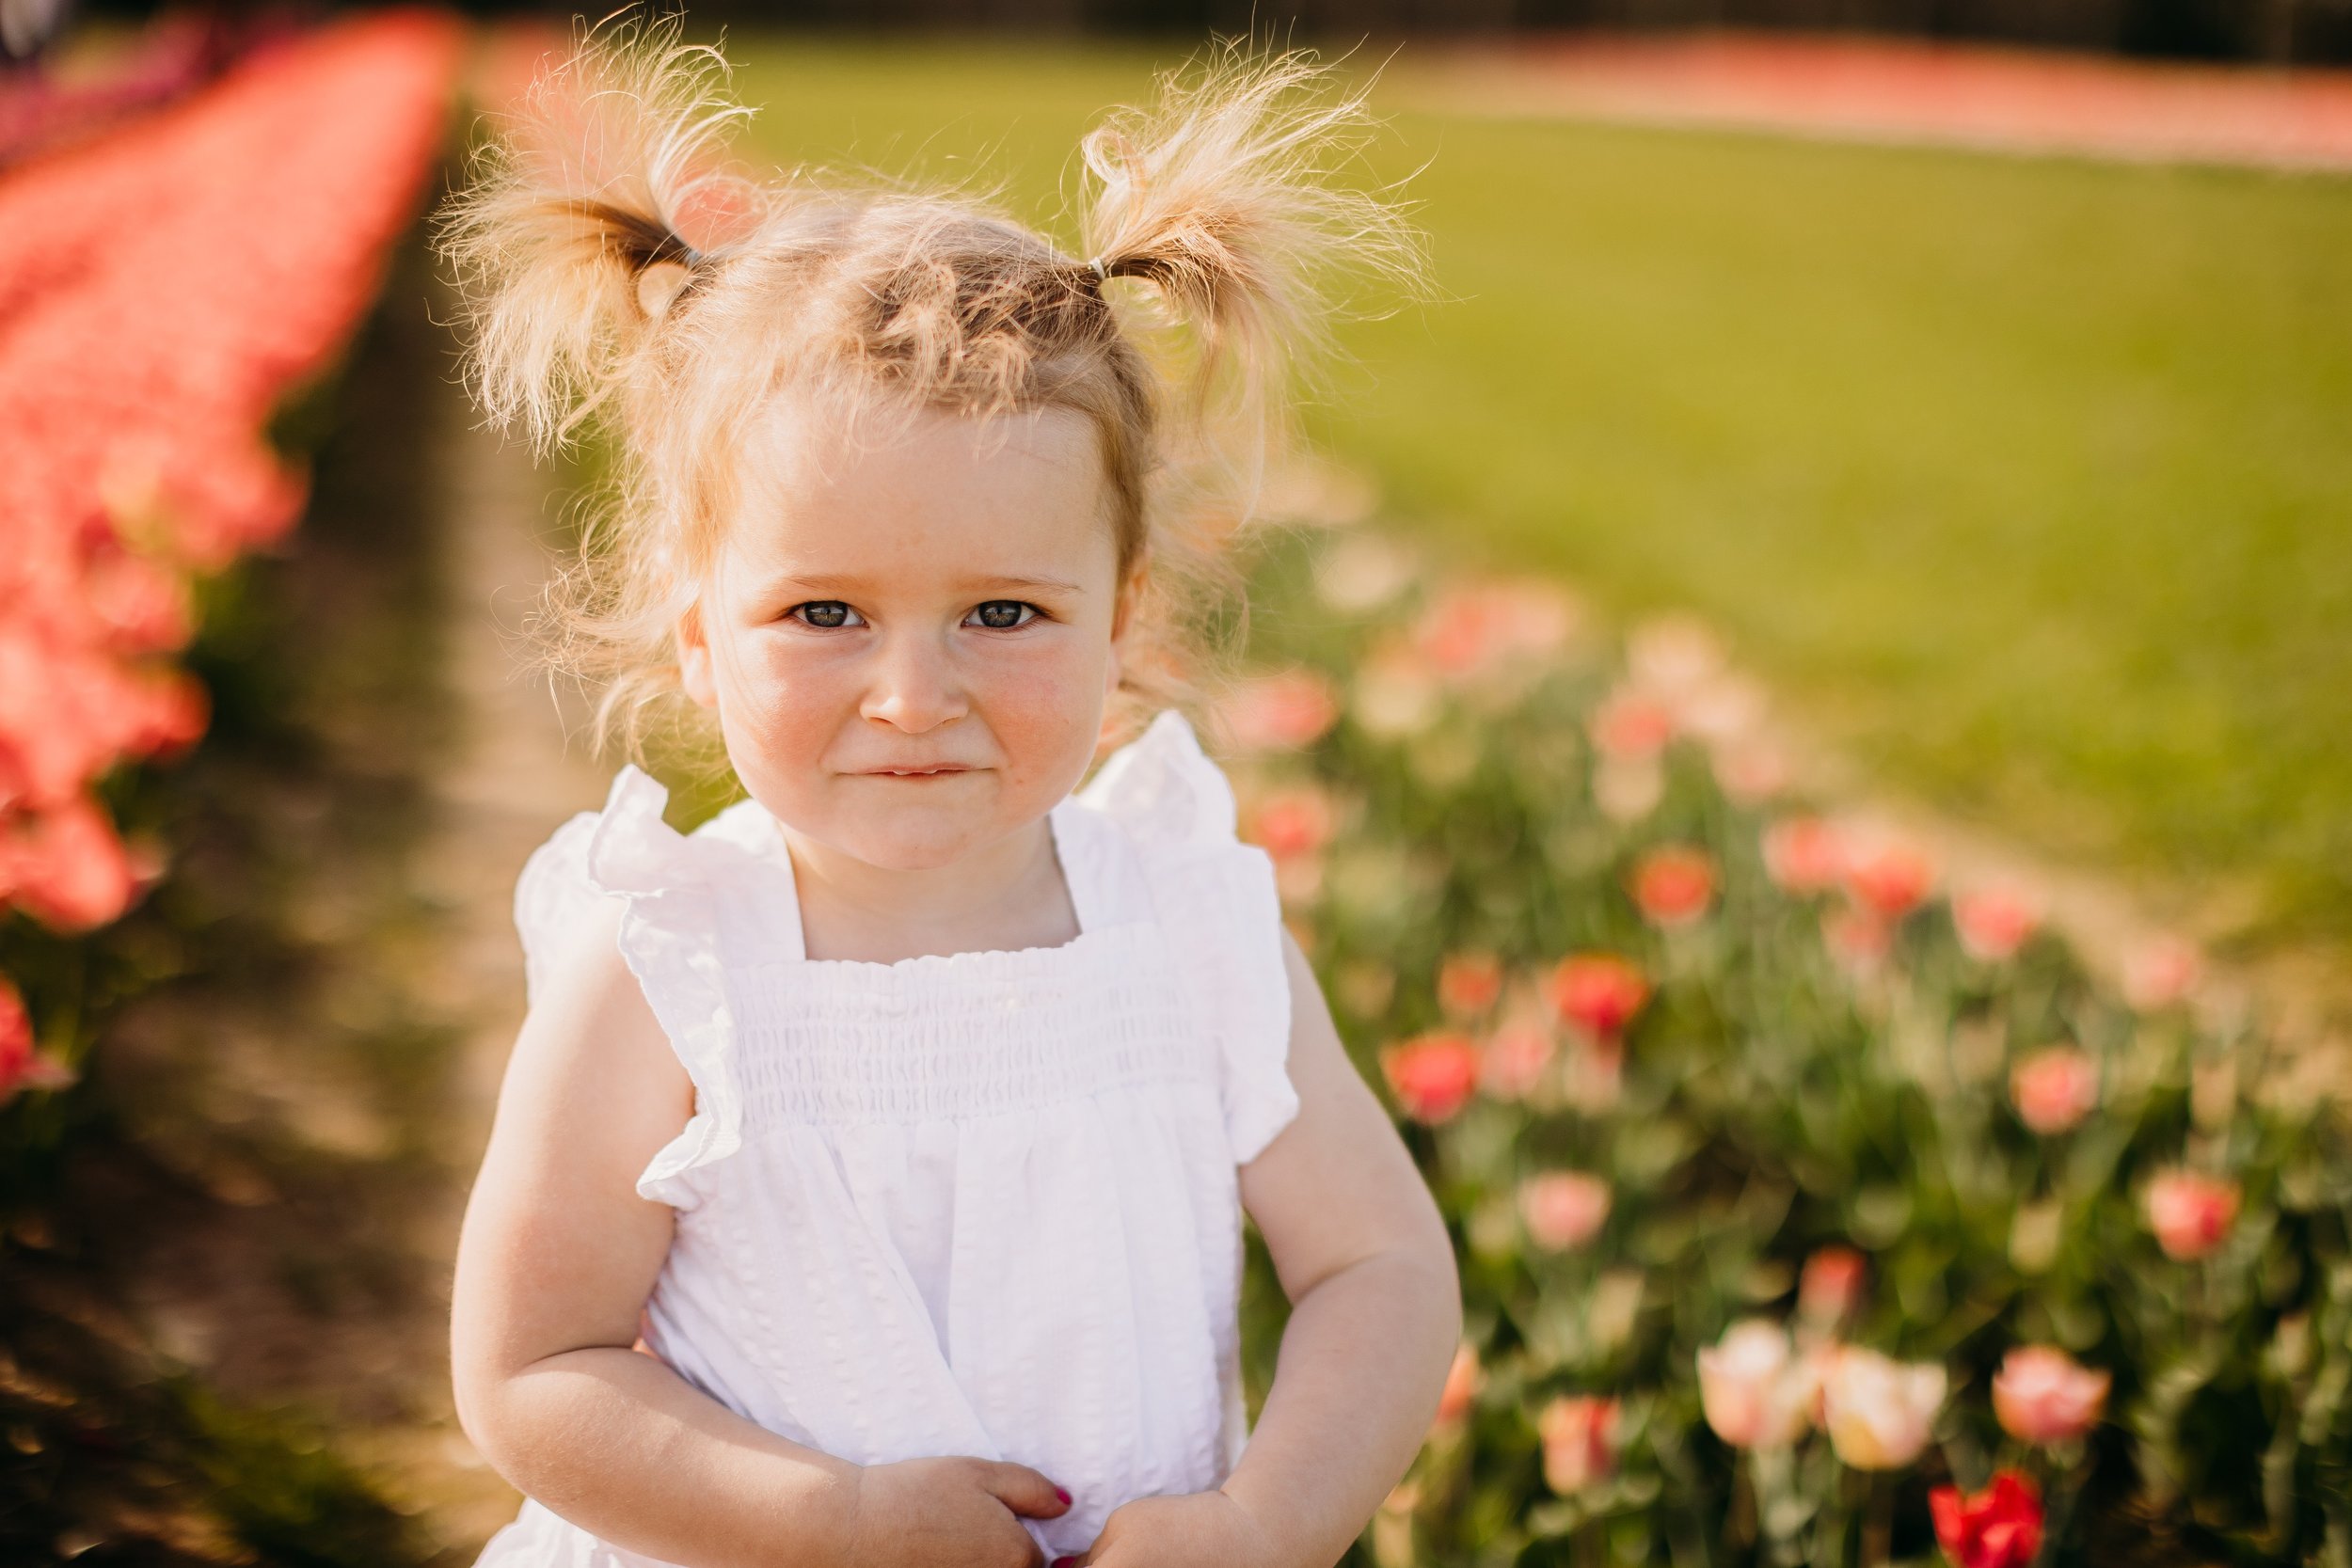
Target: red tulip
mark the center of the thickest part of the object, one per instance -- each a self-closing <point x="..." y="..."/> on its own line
<point x="16" y="1040"/>
<point x="2000" y="1528"/>
<point x="1432" y="1075"/>
<point x="1597" y="992"/>
<point x="1673" y="886"/>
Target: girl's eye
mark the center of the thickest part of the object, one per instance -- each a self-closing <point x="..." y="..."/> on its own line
<point x="1003" y="614"/>
<point x="825" y="614"/>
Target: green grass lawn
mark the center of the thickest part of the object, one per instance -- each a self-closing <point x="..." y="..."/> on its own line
<point x="2030" y="479"/>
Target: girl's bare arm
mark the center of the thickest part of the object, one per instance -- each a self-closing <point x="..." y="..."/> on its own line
<point x="554" y="1264"/>
<point x="1375" y="1302"/>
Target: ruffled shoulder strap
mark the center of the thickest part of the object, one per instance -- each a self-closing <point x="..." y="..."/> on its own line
<point x="1216" y="898"/>
<point x="695" y="903"/>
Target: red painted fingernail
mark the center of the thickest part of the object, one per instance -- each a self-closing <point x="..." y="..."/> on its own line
<point x="1064" y="1562"/>
<point x="1064" y="1497"/>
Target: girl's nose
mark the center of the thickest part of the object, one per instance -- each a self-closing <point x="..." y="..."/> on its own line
<point x="913" y="687"/>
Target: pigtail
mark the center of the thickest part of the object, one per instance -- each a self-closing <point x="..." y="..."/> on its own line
<point x="571" y="242"/>
<point x="1222" y="201"/>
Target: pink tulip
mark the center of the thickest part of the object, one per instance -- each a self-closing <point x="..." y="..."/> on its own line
<point x="1432" y="1075"/>
<point x="2161" y="973"/>
<point x="2043" y="1395"/>
<point x="1280" y="712"/>
<point x="1994" y="923"/>
<point x="1580" y="1438"/>
<point x="1830" y="1287"/>
<point x="1803" y="854"/>
<point x="1564" y="1208"/>
<point x="1858" y="940"/>
<point x="1673" y="886"/>
<point x="1469" y="984"/>
<point x="1878" y="1412"/>
<point x="2190" y="1213"/>
<point x="1597" y="992"/>
<point x="1516" y="1058"/>
<point x="2055" y="1088"/>
<point x="1754" y="1392"/>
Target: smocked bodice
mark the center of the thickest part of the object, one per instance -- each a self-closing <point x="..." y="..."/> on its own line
<point x="980" y="1203"/>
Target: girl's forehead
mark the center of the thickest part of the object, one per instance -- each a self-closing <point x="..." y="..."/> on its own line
<point x="929" y="493"/>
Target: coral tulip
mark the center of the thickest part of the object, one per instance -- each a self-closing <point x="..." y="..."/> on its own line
<point x="1889" y="878"/>
<point x="2043" y="1395"/>
<point x="1580" y="1437"/>
<point x="2054" y="1089"/>
<point x="1803" y="854"/>
<point x="1432" y="1075"/>
<point x="1469" y="984"/>
<point x="1597" y="992"/>
<point x="1463" y="1380"/>
<point x="1673" y="886"/>
<point x="2190" y="1213"/>
<point x="1629" y="726"/>
<point x="1878" y="1412"/>
<point x="1999" y="1527"/>
<point x="1830" y="1287"/>
<point x="1294" y="823"/>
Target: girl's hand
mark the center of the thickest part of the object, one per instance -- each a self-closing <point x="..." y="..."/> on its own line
<point x="949" y="1512"/>
<point x="1200" y="1530"/>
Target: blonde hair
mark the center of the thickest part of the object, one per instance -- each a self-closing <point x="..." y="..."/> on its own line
<point x="621" y="276"/>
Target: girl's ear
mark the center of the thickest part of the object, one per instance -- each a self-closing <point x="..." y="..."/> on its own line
<point x="1122" y="619"/>
<point x="693" y="658"/>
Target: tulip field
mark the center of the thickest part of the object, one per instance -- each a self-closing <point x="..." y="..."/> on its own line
<point x="1812" y="1206"/>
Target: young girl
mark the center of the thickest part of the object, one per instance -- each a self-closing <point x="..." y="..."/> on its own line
<point x="906" y="1113"/>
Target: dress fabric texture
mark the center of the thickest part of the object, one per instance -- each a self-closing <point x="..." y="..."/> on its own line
<point x="984" y="1203"/>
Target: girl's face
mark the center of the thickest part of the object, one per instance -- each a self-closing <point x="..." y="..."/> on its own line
<point x="910" y="647"/>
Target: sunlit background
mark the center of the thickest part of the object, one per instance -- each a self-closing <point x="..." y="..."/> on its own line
<point x="1800" y="706"/>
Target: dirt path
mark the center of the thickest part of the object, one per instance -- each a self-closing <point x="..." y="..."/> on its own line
<point x="511" y="778"/>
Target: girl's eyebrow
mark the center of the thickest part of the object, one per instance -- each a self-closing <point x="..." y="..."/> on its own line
<point x="832" y="582"/>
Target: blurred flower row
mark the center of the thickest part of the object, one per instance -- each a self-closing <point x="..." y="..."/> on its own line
<point x="166" y="285"/>
<point x="1814" y="1204"/>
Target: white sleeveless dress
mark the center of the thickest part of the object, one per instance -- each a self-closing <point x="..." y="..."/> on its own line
<point x="983" y="1203"/>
